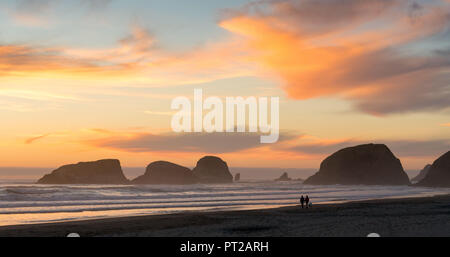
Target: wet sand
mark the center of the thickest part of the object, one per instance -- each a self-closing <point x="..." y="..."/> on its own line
<point x="426" y="216"/>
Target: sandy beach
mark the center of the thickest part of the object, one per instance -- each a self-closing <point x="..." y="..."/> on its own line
<point x="426" y="216"/>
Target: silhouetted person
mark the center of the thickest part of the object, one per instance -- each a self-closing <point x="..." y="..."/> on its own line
<point x="307" y="201"/>
<point x="302" y="201"/>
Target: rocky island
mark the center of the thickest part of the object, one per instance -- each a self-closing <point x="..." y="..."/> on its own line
<point x="211" y="169"/>
<point x="96" y="172"/>
<point x="162" y="172"/>
<point x="422" y="174"/>
<point x="370" y="164"/>
<point x="284" y="177"/>
<point x="439" y="173"/>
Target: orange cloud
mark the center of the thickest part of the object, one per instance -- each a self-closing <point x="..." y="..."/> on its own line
<point x="136" y="58"/>
<point x="368" y="52"/>
<point x="360" y="50"/>
<point x="33" y="139"/>
<point x="21" y="60"/>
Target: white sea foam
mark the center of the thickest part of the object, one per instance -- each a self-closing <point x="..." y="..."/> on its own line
<point x="31" y="203"/>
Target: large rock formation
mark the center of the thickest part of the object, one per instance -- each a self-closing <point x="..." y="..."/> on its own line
<point x="422" y="174"/>
<point x="439" y="173"/>
<point x="162" y="172"/>
<point x="97" y="172"/>
<point x="371" y="164"/>
<point x="212" y="169"/>
<point x="284" y="177"/>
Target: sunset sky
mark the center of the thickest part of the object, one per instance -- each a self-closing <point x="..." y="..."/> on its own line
<point x="85" y="80"/>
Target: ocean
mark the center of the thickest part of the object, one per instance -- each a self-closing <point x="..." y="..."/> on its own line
<point x="25" y="203"/>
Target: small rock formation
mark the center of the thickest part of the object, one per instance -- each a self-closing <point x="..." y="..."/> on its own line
<point x="284" y="177"/>
<point x="212" y="169"/>
<point x="237" y="177"/>
<point x="371" y="164"/>
<point x="422" y="174"/>
<point x="439" y="173"/>
<point x="97" y="172"/>
<point x="162" y="172"/>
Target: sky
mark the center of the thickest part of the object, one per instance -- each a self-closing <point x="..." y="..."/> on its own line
<point x="85" y="80"/>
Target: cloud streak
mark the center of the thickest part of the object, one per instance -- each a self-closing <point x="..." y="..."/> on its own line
<point x="293" y="144"/>
<point x="403" y="148"/>
<point x="136" y="58"/>
<point x="36" y="138"/>
<point x="182" y="142"/>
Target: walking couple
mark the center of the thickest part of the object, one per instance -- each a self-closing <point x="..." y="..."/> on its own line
<point x="304" y="201"/>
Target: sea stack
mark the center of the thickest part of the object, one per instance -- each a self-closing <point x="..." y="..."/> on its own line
<point x="212" y="169"/>
<point x="439" y="173"/>
<point x="162" y="172"/>
<point x="422" y="174"/>
<point x="237" y="177"/>
<point x="96" y="172"/>
<point x="371" y="164"/>
<point x="284" y="177"/>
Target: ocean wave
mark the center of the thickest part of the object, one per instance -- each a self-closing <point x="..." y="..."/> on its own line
<point x="177" y="205"/>
<point x="30" y="191"/>
<point x="19" y="198"/>
<point x="5" y="205"/>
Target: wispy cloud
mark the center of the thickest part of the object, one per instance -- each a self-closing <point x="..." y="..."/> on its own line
<point x="290" y="143"/>
<point x="99" y="131"/>
<point x="35" y="138"/>
<point x="191" y="142"/>
<point x="181" y="142"/>
<point x="22" y="60"/>
<point x="136" y="59"/>
<point x="402" y="148"/>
